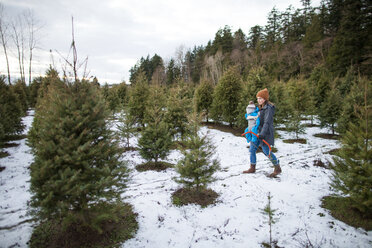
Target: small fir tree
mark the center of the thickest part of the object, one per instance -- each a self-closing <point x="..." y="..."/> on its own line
<point x="294" y="123"/>
<point x="203" y="98"/>
<point x="178" y="107"/>
<point x="122" y="92"/>
<point x="319" y="84"/>
<point x="330" y="110"/>
<point x="113" y="100"/>
<point x="226" y="97"/>
<point x="311" y="108"/>
<point x="138" y="98"/>
<point x="77" y="166"/>
<point x="156" y="140"/>
<point x="270" y="213"/>
<point x="10" y="110"/>
<point x="21" y="90"/>
<point x="197" y="166"/>
<point x="296" y="105"/>
<point x="126" y="128"/>
<point x="278" y="96"/>
<point x="34" y="89"/>
<point x="352" y="169"/>
<point x="349" y="110"/>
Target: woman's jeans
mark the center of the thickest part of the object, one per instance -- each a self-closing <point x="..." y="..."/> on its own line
<point x="253" y="149"/>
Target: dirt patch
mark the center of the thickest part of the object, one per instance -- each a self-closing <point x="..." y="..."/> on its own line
<point x="113" y="233"/>
<point x="159" y="166"/>
<point x="3" y="154"/>
<point x="334" y="151"/>
<point x="292" y="141"/>
<point x="311" y="125"/>
<point x="327" y="136"/>
<point x="203" y="197"/>
<point x="319" y="163"/>
<point x="129" y="149"/>
<point x="224" y="128"/>
<point x="15" y="137"/>
<point x="341" y="209"/>
<point x="9" y="144"/>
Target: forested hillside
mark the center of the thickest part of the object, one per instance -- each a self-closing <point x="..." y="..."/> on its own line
<point x="334" y="37"/>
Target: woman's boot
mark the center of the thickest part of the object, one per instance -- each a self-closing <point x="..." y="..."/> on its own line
<point x="277" y="171"/>
<point x="251" y="170"/>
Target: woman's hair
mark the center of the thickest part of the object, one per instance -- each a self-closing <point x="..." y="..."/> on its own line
<point x="265" y="102"/>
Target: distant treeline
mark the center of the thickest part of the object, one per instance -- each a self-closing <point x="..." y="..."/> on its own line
<point x="334" y="36"/>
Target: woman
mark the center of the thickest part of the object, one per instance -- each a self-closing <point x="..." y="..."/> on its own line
<point x="266" y="132"/>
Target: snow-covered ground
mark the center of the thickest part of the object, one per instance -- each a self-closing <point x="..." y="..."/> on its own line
<point x="236" y="220"/>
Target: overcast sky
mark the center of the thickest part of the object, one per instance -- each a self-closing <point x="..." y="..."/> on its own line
<point x="115" y="34"/>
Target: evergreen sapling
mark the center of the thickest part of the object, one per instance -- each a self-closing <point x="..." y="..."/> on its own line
<point x="270" y="213"/>
<point x="197" y="167"/>
<point x="352" y="169"/>
<point x="126" y="128"/>
<point x="156" y="140"/>
<point x="77" y="166"/>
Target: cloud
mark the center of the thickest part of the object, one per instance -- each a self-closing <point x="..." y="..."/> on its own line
<point x="115" y="34"/>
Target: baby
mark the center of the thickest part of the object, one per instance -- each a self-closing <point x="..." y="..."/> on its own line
<point x="253" y="121"/>
<point x="251" y="115"/>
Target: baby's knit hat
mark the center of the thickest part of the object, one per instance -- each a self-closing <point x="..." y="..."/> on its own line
<point x="251" y="107"/>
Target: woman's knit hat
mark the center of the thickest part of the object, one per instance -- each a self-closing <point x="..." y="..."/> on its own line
<point x="263" y="94"/>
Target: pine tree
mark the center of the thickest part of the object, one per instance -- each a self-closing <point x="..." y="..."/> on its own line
<point x="272" y="28"/>
<point x="126" y="128"/>
<point x="51" y="78"/>
<point x="197" y="166"/>
<point x="293" y="123"/>
<point x="277" y="96"/>
<point x="330" y="110"/>
<point x="351" y="36"/>
<point x="138" y="98"/>
<point x="314" y="32"/>
<point x="178" y="107"/>
<point x="296" y="105"/>
<point x="203" y="98"/>
<point x="77" y="167"/>
<point x="20" y="90"/>
<point x="270" y="212"/>
<point x="223" y="41"/>
<point x="113" y="100"/>
<point x="349" y="111"/>
<point x="352" y="169"/>
<point x="34" y="89"/>
<point x="122" y="93"/>
<point x="226" y="97"/>
<point x="156" y="140"/>
<point x="319" y="84"/>
<point x="173" y="73"/>
<point x="11" y="111"/>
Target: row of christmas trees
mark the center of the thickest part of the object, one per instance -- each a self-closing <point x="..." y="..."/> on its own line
<point x="321" y="95"/>
<point x="77" y="176"/>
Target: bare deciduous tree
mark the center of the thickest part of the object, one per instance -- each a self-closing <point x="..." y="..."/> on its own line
<point x="19" y="41"/>
<point x="4" y="35"/>
<point x="214" y="67"/>
<point x="32" y="28"/>
<point x="74" y="65"/>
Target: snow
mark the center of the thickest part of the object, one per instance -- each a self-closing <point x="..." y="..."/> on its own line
<point x="236" y="220"/>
